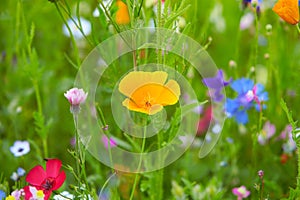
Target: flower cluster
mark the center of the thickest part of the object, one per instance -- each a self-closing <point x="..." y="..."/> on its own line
<point x="41" y="182"/>
<point x="249" y="95"/>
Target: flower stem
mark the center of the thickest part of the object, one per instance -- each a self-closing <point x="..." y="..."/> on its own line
<point x="80" y="156"/>
<point x="139" y="165"/>
<point x="77" y="149"/>
<point x="104" y="185"/>
<point x="40" y="111"/>
<point x="298" y="28"/>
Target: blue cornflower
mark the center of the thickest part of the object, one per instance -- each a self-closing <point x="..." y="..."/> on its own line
<point x="2" y="195"/>
<point x="217" y="83"/>
<point x="249" y="95"/>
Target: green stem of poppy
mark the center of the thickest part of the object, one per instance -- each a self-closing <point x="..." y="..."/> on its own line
<point x="139" y="165"/>
<point x="298" y="28"/>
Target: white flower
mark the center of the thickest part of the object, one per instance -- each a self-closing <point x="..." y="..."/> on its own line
<point x="20" y="148"/>
<point x="62" y="196"/>
<point x="14" y="176"/>
<point x="216" y="18"/>
<point x="246" y="21"/>
<point x="85" y="25"/>
<point x="36" y="194"/>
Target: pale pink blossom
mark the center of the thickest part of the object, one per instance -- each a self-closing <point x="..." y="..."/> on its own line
<point x="267" y="132"/>
<point x="241" y="192"/>
<point x="76" y="96"/>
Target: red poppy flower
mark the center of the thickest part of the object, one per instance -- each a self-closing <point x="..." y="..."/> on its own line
<point x="47" y="180"/>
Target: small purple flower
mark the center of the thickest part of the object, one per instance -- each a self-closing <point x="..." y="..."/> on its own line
<point x="261" y="174"/>
<point x="241" y="192"/>
<point x="20" y="148"/>
<point x="105" y="140"/>
<point x="76" y="97"/>
<point x="217" y="83"/>
<point x="249" y="95"/>
<point x="267" y="132"/>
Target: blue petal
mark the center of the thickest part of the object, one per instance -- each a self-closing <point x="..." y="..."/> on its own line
<point x="241" y="117"/>
<point x="231" y="106"/>
<point x="242" y="86"/>
<point x="261" y="94"/>
<point x="2" y="195"/>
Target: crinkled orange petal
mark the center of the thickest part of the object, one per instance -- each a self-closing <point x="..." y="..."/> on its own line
<point x="136" y="79"/>
<point x="122" y="15"/>
<point x="288" y="10"/>
<point x="130" y="105"/>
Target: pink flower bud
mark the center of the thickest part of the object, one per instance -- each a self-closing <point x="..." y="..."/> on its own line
<point x="76" y="96"/>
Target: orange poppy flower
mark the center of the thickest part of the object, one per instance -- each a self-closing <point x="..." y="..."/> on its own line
<point x="122" y="15"/>
<point x="147" y="91"/>
<point x="288" y="10"/>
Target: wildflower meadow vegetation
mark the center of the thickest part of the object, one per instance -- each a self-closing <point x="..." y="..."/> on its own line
<point x="149" y="99"/>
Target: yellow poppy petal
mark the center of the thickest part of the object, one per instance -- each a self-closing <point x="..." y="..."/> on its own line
<point x="288" y="10"/>
<point x="174" y="87"/>
<point x="136" y="79"/>
<point x="122" y="15"/>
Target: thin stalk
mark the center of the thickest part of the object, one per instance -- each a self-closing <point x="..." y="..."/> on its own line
<point x="159" y="24"/>
<point x="40" y="110"/>
<point x="77" y="25"/>
<point x="77" y="150"/>
<point x="104" y="185"/>
<point x="298" y="176"/>
<point x="160" y="173"/>
<point x="80" y="163"/>
<point x="139" y="165"/>
<point x="256" y="41"/>
<point x="71" y="34"/>
<point x="104" y="123"/>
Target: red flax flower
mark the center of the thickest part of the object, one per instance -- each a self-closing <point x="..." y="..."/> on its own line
<point x="47" y="180"/>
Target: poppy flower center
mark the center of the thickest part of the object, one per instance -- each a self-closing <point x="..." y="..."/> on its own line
<point x="147" y="101"/>
<point x="48" y="184"/>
